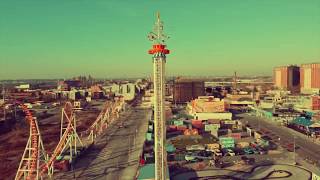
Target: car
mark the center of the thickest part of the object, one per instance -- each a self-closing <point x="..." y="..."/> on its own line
<point x="195" y="147"/>
<point x="253" y="144"/>
<point x="228" y="152"/>
<point x="249" y="161"/>
<point x="121" y="126"/>
<point x="290" y="148"/>
<point x="189" y="157"/>
<point x="205" y="153"/>
<point x="217" y="152"/>
<point x="248" y="150"/>
<point x="255" y="151"/>
<point x="192" y="157"/>
<point x="239" y="151"/>
<point x="262" y="150"/>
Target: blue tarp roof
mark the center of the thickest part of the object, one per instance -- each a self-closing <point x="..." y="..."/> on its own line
<point x="302" y="121"/>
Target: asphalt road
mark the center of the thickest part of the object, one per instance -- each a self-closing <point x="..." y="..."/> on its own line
<point x="115" y="154"/>
<point x="306" y="149"/>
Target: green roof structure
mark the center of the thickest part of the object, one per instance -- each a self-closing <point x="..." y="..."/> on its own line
<point x="302" y="121"/>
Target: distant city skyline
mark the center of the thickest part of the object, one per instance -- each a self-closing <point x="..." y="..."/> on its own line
<point x="108" y="39"/>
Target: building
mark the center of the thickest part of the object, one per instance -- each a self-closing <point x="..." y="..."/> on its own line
<point x="96" y="92"/>
<point x="127" y="90"/>
<point x="315" y="103"/>
<point x="186" y="90"/>
<point x="287" y="78"/>
<point x="68" y="85"/>
<point x="206" y="104"/>
<point x="22" y="87"/>
<point x="310" y="78"/>
<point x="207" y="107"/>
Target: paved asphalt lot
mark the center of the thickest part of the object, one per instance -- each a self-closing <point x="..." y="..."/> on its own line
<point x="306" y="149"/>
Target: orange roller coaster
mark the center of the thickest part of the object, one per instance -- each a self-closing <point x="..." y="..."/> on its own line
<point x="35" y="162"/>
<point x="34" y="151"/>
<point x="69" y="138"/>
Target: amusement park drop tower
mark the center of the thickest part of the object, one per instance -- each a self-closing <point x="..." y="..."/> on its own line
<point x="159" y="52"/>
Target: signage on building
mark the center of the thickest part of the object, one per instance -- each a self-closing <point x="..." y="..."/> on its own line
<point x="229" y="122"/>
<point x="211" y="127"/>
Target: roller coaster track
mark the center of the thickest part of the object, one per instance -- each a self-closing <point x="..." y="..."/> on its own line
<point x="68" y="138"/>
<point x="30" y="162"/>
<point x="109" y="113"/>
<point x="30" y="167"/>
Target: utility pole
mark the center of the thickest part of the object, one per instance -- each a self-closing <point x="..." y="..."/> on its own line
<point x="294" y="148"/>
<point x="4" y="104"/>
<point x="235" y="82"/>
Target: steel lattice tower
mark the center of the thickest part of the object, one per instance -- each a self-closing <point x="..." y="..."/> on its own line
<point x="159" y="52"/>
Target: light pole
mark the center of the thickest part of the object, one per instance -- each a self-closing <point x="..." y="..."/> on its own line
<point x="294" y="148"/>
<point x="4" y="104"/>
<point x="259" y="123"/>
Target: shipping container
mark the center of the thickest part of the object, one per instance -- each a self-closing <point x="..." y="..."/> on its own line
<point x="172" y="127"/>
<point x="242" y="144"/>
<point x="189" y="132"/>
<point x="213" y="146"/>
<point x="149" y="136"/>
<point x="197" y="124"/>
<point x="181" y="128"/>
<point x="235" y="135"/>
<point x="218" y="115"/>
<point x="179" y="157"/>
<point x="178" y="122"/>
<point x="226" y="142"/>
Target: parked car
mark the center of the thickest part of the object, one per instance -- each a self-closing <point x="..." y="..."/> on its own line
<point x="239" y="151"/>
<point x="262" y="150"/>
<point x="290" y="148"/>
<point x="228" y="152"/>
<point x="205" y="153"/>
<point x="248" y="150"/>
<point x="195" y="148"/>
<point x="217" y="152"/>
<point x="249" y="161"/>
<point x="190" y="157"/>
<point x="255" y="151"/>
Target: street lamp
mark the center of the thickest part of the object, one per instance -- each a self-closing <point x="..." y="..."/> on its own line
<point x="294" y="148"/>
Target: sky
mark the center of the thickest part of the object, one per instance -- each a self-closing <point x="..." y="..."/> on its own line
<point x="108" y="38"/>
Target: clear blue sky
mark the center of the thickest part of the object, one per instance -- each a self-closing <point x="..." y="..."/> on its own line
<point x="108" y="38"/>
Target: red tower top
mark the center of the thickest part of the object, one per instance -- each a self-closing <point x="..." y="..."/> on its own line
<point x="159" y="48"/>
